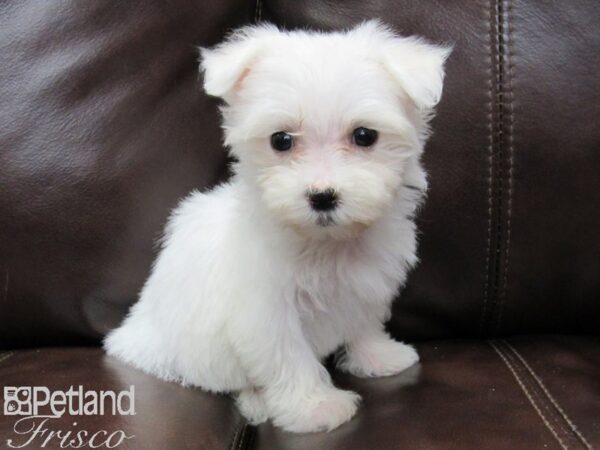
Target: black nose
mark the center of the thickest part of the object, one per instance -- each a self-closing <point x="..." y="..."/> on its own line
<point x="323" y="200"/>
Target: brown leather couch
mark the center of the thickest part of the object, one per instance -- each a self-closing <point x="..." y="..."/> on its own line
<point x="103" y="127"/>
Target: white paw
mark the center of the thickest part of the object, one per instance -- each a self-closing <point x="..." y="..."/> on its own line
<point x="323" y="410"/>
<point x="378" y="358"/>
<point x="252" y="405"/>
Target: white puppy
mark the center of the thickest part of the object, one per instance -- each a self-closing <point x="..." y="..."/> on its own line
<point x="303" y="251"/>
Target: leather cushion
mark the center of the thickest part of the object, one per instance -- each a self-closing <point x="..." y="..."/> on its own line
<point x="167" y="415"/>
<point x="522" y="393"/>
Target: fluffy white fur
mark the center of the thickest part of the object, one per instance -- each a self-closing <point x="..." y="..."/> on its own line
<point x="252" y="288"/>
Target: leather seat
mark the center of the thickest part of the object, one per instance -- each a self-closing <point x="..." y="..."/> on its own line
<point x="103" y="128"/>
<point x="524" y="392"/>
<point x="520" y="393"/>
<point x="167" y="415"/>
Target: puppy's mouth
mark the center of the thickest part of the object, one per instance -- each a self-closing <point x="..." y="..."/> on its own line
<point x="325" y="220"/>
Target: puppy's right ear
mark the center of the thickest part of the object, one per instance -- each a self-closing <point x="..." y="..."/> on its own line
<point x="226" y="65"/>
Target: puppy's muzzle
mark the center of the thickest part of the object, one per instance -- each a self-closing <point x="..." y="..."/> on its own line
<point x="323" y="201"/>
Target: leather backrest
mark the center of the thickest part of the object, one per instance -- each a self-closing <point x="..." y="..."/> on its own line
<point x="509" y="238"/>
<point x="104" y="128"/>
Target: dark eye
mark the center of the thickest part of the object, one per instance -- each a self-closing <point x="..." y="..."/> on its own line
<point x="364" y="137"/>
<point x="281" y="141"/>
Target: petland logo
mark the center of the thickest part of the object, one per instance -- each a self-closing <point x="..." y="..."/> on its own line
<point x="39" y="406"/>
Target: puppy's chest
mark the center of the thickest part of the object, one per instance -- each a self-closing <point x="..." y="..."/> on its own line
<point x="336" y="291"/>
<point x="330" y="278"/>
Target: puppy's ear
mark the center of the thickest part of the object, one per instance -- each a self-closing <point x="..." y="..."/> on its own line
<point x="418" y="67"/>
<point x="226" y="65"/>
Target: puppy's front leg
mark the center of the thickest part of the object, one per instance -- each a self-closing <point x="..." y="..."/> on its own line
<point x="296" y="389"/>
<point x="373" y="353"/>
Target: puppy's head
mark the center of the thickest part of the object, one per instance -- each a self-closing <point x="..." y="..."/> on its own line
<point x="328" y="127"/>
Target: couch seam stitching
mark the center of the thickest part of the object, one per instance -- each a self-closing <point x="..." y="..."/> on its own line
<point x="527" y="394"/>
<point x="235" y="436"/>
<point x="242" y="440"/>
<point x="499" y="154"/>
<point x="498" y="159"/>
<point x="508" y="136"/>
<point x="258" y="11"/>
<point x="545" y="390"/>
<point x="490" y="147"/>
<point x="543" y="402"/>
<point x="4" y="356"/>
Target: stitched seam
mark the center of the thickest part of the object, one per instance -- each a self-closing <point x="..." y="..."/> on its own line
<point x="552" y="414"/>
<point x="498" y="160"/>
<point x="527" y="394"/>
<point x="258" y="11"/>
<point x="544" y="400"/>
<point x="490" y="149"/>
<point x="510" y="144"/>
<point x="242" y="437"/>
<point x="545" y="390"/>
<point x="238" y="444"/>
<point x="5" y="356"/>
<point x="497" y="256"/>
<point x="235" y="436"/>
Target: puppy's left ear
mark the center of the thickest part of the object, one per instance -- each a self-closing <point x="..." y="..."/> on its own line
<point x="419" y="69"/>
<point x="226" y="65"/>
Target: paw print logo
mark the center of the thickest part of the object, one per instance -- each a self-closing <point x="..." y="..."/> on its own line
<point x="17" y="401"/>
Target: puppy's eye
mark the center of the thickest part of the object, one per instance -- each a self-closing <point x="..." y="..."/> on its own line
<point x="364" y="137"/>
<point x="282" y="141"/>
